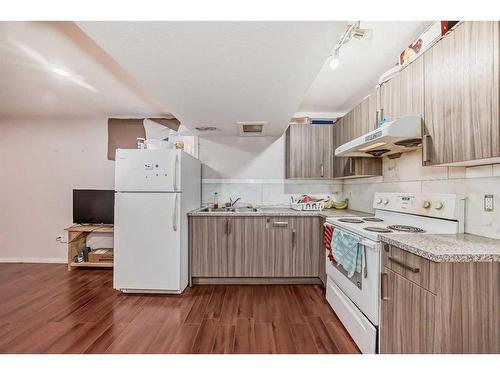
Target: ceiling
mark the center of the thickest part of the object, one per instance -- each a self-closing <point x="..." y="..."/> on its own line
<point x="205" y="73"/>
<point x="220" y="73"/>
<point x="95" y="84"/>
<point x="336" y="91"/>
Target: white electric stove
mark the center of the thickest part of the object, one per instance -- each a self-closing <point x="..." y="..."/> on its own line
<point x="356" y="300"/>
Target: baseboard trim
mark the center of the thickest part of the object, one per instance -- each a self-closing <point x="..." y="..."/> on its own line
<point x="32" y="260"/>
<point x="255" y="280"/>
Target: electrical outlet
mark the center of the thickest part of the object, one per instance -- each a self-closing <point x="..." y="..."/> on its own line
<point x="488" y="202"/>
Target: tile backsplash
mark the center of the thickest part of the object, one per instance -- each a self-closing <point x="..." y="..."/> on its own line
<point x="407" y="175"/>
<point x="266" y="192"/>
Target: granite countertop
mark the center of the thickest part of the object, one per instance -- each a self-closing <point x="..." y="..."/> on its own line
<point x="282" y="211"/>
<point x="462" y="247"/>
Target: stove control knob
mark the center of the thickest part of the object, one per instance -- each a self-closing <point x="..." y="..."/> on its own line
<point x="438" y="205"/>
<point x="386" y="201"/>
<point x="379" y="200"/>
<point x="426" y="204"/>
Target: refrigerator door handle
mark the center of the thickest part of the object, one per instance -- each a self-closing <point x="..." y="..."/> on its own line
<point x="176" y="165"/>
<point x="174" y="218"/>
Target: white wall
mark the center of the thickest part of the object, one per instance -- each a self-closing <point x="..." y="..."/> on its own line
<point x="231" y="157"/>
<point x="407" y="175"/>
<point x="41" y="161"/>
<point x="253" y="168"/>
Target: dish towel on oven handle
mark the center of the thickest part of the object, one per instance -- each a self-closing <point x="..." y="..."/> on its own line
<point x="348" y="252"/>
<point x="327" y="240"/>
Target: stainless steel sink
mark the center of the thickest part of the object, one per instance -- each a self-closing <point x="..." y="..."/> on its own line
<point x="245" y="209"/>
<point x="210" y="209"/>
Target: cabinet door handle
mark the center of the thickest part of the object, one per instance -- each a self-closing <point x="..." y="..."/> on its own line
<point x="425" y="148"/>
<point x="384" y="279"/>
<point x="227" y="226"/>
<point x="351" y="166"/>
<point x="376" y="119"/>
<point x="405" y="266"/>
<point x="280" y="223"/>
<point x="381" y="114"/>
<point x="322" y="170"/>
<point x="293" y="238"/>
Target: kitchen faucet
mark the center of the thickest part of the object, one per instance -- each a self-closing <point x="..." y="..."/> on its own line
<point x="232" y="203"/>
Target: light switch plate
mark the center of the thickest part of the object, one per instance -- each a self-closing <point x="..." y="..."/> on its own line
<point x="488" y="202"/>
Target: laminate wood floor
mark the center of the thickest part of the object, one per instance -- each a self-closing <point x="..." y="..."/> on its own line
<point x="46" y="309"/>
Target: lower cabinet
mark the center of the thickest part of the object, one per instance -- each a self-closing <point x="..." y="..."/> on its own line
<point x="208" y="246"/>
<point x="408" y="316"/>
<point x="255" y="246"/>
<point x="429" y="307"/>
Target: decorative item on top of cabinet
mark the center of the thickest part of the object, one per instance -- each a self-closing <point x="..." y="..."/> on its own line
<point x="309" y="151"/>
<point x="462" y="97"/>
<point x="429" y="307"/>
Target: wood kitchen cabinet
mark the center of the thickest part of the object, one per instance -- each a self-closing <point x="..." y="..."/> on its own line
<point x="247" y="253"/>
<point x="255" y="246"/>
<point x="307" y="241"/>
<point x="280" y="238"/>
<point x="403" y="95"/>
<point x="429" y="307"/>
<point x="309" y="151"/>
<point x="461" y="96"/>
<point x="360" y="120"/>
<point x="408" y="316"/>
<point x="208" y="246"/>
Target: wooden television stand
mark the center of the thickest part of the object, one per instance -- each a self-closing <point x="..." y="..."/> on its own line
<point x="77" y="235"/>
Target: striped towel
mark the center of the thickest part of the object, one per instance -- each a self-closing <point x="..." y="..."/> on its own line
<point x="347" y="251"/>
<point x="327" y="240"/>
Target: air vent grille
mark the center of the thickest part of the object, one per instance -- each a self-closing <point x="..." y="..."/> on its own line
<point x="251" y="128"/>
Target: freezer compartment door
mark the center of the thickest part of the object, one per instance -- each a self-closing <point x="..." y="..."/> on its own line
<point x="147" y="241"/>
<point x="147" y="170"/>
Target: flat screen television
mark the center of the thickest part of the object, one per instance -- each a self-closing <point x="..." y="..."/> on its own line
<point x="93" y="206"/>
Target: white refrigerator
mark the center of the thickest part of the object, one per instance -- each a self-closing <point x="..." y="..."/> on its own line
<point x="154" y="191"/>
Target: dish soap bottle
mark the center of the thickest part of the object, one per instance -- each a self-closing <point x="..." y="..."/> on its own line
<point x="216" y="200"/>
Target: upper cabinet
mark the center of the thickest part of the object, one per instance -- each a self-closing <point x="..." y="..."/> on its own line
<point x="403" y="95"/>
<point x="454" y="87"/>
<point x="461" y="97"/>
<point x="360" y="120"/>
<point x="309" y="151"/>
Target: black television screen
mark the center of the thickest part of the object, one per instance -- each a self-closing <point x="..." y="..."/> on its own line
<point x="93" y="206"/>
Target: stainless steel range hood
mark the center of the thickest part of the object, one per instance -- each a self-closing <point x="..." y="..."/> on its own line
<point x="401" y="135"/>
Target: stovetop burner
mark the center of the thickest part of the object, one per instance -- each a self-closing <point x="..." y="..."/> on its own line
<point x="377" y="229"/>
<point x="349" y="220"/>
<point x="373" y="219"/>
<point x="406" y="228"/>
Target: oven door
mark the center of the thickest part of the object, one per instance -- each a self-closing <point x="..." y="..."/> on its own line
<point x="363" y="288"/>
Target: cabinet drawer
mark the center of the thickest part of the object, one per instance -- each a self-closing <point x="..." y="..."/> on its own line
<point x="287" y="222"/>
<point x="421" y="271"/>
